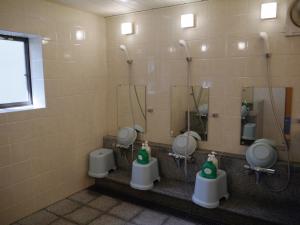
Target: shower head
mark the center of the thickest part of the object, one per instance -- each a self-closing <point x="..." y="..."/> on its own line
<point x="265" y="37"/>
<point x="125" y="50"/>
<point x="183" y="44"/>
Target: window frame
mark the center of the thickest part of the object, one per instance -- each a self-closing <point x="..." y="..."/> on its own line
<point x="27" y="75"/>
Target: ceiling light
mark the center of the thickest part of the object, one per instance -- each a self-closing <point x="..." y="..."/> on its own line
<point x="268" y="10"/>
<point x="187" y="20"/>
<point x="127" y="28"/>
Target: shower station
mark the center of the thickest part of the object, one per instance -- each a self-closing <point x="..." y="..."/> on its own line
<point x="262" y="154"/>
<point x="211" y="182"/>
<point x="143" y="175"/>
<point x="184" y="145"/>
<point x="127" y="135"/>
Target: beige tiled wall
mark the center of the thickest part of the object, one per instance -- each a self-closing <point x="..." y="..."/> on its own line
<point x="221" y="24"/>
<point x="43" y="153"/>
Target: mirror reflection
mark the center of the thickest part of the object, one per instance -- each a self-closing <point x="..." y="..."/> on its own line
<point x="198" y="102"/>
<point x="131" y="106"/>
<point x="257" y="117"/>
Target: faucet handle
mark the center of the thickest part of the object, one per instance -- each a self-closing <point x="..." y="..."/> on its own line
<point x="260" y="169"/>
<point x="265" y="170"/>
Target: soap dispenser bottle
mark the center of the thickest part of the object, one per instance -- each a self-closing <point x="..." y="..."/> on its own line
<point x="143" y="157"/>
<point x="212" y="157"/>
<point x="209" y="170"/>
<point x="148" y="149"/>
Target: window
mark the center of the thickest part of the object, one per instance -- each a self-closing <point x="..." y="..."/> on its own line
<point x="15" y="77"/>
<point x="21" y="72"/>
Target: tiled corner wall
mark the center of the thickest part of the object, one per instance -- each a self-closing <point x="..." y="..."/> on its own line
<point x="221" y="25"/>
<point x="43" y="153"/>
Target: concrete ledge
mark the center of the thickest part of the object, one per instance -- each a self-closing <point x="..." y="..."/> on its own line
<point x="166" y="196"/>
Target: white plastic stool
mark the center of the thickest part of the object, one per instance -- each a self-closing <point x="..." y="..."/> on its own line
<point x="143" y="176"/>
<point x="101" y="162"/>
<point x="208" y="192"/>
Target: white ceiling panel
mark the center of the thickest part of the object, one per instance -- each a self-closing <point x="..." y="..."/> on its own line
<point x="117" y="7"/>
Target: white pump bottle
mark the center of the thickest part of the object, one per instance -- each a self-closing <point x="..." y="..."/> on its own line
<point x="148" y="149"/>
<point x="212" y="157"/>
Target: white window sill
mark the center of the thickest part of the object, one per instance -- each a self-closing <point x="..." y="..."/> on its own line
<point x="21" y="108"/>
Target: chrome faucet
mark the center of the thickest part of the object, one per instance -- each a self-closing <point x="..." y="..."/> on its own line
<point x="259" y="171"/>
<point x="179" y="159"/>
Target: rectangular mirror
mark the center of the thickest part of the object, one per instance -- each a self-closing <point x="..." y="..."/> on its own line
<point x="257" y="117"/>
<point x="198" y="100"/>
<point x="137" y="94"/>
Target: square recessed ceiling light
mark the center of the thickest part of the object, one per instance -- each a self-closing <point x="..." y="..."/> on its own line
<point x="127" y="28"/>
<point x="268" y="10"/>
<point x="187" y="20"/>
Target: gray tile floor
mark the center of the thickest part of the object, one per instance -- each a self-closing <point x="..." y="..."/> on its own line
<point x="90" y="208"/>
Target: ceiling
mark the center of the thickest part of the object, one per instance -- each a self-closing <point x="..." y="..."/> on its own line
<point x="117" y="7"/>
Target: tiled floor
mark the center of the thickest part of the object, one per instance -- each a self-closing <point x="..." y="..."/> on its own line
<point x="90" y="208"/>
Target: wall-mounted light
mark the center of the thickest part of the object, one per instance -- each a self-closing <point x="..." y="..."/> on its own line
<point x="268" y="10"/>
<point x="80" y="35"/>
<point x="241" y="45"/>
<point x="187" y="20"/>
<point x="127" y="28"/>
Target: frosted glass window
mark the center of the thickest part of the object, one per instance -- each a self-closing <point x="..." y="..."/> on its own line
<point x="14" y="72"/>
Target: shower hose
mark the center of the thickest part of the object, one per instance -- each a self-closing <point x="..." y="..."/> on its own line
<point x="131" y="104"/>
<point x="279" y="127"/>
